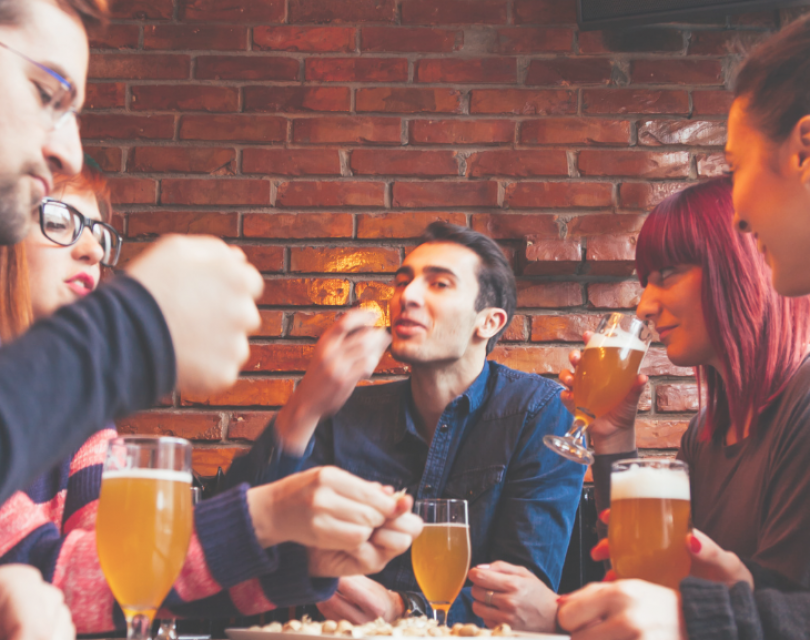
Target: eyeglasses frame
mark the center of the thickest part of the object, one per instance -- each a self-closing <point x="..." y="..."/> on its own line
<point x="86" y="223"/>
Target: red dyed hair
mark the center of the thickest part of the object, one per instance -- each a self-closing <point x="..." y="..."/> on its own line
<point x="759" y="336"/>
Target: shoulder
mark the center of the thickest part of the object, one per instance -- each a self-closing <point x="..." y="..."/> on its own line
<point x="520" y="392"/>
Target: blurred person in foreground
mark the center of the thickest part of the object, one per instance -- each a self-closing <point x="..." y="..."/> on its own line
<point x="459" y="427"/>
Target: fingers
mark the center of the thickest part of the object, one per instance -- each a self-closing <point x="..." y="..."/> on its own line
<point x="391" y="543"/>
<point x="490" y="615"/>
<point x="604" y="516"/>
<point x="360" y="491"/>
<point x="487" y="580"/>
<point x="338" y="608"/>
<point x="584" y="607"/>
<point x="610" y="576"/>
<point x="511" y="569"/>
<point x="601" y="551"/>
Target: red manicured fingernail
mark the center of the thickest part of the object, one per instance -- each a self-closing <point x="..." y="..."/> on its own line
<point x="562" y="599"/>
<point x="604" y="517"/>
<point x="694" y="544"/>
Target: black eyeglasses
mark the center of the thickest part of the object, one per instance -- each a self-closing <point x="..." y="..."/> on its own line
<point x="63" y="224"/>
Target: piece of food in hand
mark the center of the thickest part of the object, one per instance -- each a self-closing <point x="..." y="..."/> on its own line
<point x="503" y="629"/>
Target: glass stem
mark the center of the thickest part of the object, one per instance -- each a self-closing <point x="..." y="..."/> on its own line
<point x="139" y="627"/>
<point x="577" y="430"/>
<point x="440" y="614"/>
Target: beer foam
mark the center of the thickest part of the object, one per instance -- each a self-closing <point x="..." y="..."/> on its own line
<point x="646" y="482"/>
<point x="620" y="339"/>
<point x="151" y="474"/>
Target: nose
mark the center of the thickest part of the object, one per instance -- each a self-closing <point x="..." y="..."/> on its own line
<point x="412" y="294"/>
<point x="87" y="249"/>
<point x="63" y="148"/>
<point x="649" y="306"/>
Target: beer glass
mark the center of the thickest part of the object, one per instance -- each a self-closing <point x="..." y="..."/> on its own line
<point x="649" y="520"/>
<point x="604" y="376"/>
<point x="144" y="523"/>
<point x="441" y="553"/>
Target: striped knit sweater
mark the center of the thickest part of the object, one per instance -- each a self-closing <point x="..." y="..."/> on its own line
<point x="226" y="573"/>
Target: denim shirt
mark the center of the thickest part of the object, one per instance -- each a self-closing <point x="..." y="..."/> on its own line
<point x="488" y="449"/>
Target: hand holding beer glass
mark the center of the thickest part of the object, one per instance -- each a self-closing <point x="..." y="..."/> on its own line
<point x="604" y="376"/>
<point x="144" y="523"/>
<point x="441" y="553"/>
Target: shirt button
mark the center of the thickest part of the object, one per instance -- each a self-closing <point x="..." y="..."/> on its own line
<point x="444" y="426"/>
<point x="428" y="487"/>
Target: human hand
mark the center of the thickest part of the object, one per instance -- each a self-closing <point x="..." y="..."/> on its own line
<point x="30" y="608"/>
<point x="359" y="600"/>
<point x="206" y="292"/>
<point x="346" y="354"/>
<point x="614" y="432"/>
<point x="710" y="562"/>
<point x="625" y="609"/>
<point x="508" y="593"/>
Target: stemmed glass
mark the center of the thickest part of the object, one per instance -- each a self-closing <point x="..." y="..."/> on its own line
<point x="441" y="553"/>
<point x="144" y="523"/>
<point x="605" y="374"/>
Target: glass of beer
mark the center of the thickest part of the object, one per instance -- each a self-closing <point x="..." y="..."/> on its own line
<point x="649" y="520"/>
<point x="604" y="376"/>
<point x="144" y="523"/>
<point x="441" y="553"/>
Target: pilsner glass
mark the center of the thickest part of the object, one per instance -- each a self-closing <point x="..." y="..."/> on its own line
<point x="649" y="520"/>
<point x="144" y="523"/>
<point x="441" y="553"/>
<point x="605" y="374"/>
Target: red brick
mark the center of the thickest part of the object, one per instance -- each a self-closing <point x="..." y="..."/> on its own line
<point x="115" y="36"/>
<point x="696" y="133"/>
<point x="516" y="331"/>
<point x="550" y="256"/>
<point x="598" y="224"/>
<point x="635" y="101"/>
<point x="402" y="225"/>
<point x="192" y="426"/>
<point x="568" y="328"/>
<point x="232" y="10"/>
<point x="311" y="325"/>
<point x="454" y="12"/>
<point x="224" y="225"/>
<point x="304" y="39"/>
<point x="329" y="11"/>
<point x="756" y="18"/>
<point x="568" y="71"/>
<point x="264" y="257"/>
<point x="108" y="158"/>
<point x="344" y="260"/>
<point x="182" y="159"/>
<point x="272" y="392"/>
<point x="142" y="9"/>
<point x="539" y="360"/>
<point x="297" y="99"/>
<point x="651" y="40"/>
<point x="507" y="226"/>
<point x="187" y="36"/>
<point x="545" y="12"/>
<point x="127" y="127"/>
<point x="676" y="72"/>
<point x="130" y="66"/>
<point x="554" y="195"/>
<point x="415" y="195"/>
<point x="462" y="131"/>
<point x="645" y="195"/>
<point x="647" y="164"/>
<point x="711" y="165"/>
<point x="228" y="191"/>
<point x="163" y="97"/>
<point x="234" y="128"/>
<point x="656" y="363"/>
<point x="676" y="398"/>
<point x="413" y="40"/>
<point x="408" y="100"/>
<point x="711" y="103"/>
<point x="517" y="163"/>
<point x="248" y="426"/>
<point x="528" y="40"/>
<point x="279" y="358"/>
<point x="353" y="129"/>
<point x="331" y="194"/>
<point x="106" y="95"/>
<point x="300" y="225"/>
<point x="548" y="295"/>
<point x="616" y="295"/>
<point x="477" y="70"/>
<point x="246" y="68"/>
<point x="206" y="462"/>
<point x="659" y="434"/>
<point x="132" y="190"/>
<point x="372" y="291"/>
<point x="130" y="251"/>
<point x="327" y="292"/>
<point x="522" y="102"/>
<point x="403" y="163"/>
<point x="272" y="325"/>
<point x="589" y="131"/>
<point x="612" y="255"/>
<point x="722" y="43"/>
<point x="291" y="162"/>
<point x="357" y="69"/>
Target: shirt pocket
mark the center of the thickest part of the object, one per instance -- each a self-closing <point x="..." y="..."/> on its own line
<point x="471" y="485"/>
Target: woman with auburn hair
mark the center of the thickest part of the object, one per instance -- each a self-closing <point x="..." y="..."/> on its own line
<point x="709" y="294"/>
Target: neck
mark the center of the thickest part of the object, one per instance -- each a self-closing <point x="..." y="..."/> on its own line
<point x="435" y="385"/>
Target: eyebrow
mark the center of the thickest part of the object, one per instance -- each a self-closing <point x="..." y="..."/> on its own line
<point x="406" y="270"/>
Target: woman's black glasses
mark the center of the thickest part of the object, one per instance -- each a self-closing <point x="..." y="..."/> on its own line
<point x="63" y="224"/>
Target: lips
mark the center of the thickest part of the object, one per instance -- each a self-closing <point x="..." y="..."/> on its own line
<point x="81" y="284"/>
<point x="663" y="332"/>
<point x="405" y="327"/>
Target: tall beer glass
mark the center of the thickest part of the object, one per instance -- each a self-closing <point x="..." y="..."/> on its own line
<point x="604" y="376"/>
<point x="144" y="523"/>
<point x="649" y="520"/>
<point x="441" y="553"/>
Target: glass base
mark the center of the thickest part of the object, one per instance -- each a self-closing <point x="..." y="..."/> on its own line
<point x="569" y="448"/>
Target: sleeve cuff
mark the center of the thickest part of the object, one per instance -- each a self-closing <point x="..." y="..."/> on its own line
<point x="290" y="584"/>
<point x="707" y="609"/>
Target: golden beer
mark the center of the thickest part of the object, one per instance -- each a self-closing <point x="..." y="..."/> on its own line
<point x="441" y="560"/>
<point x="143" y="530"/>
<point x="649" y="520"/>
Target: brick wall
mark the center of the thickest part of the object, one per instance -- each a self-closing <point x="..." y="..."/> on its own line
<point x="321" y="136"/>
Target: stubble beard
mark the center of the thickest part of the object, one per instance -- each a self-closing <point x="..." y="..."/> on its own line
<point x="15" y="213"/>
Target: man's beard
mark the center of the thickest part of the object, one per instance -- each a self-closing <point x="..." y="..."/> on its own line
<point x="15" y="212"/>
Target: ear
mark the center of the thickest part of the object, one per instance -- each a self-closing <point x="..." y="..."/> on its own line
<point x="490" y="321"/>
<point x="800" y="147"/>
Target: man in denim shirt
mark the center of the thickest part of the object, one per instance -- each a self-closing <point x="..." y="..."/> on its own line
<point x="459" y="427"/>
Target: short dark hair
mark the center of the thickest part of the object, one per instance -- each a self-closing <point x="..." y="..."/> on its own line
<point x="496" y="281"/>
<point x="92" y="12"/>
<point x="775" y="81"/>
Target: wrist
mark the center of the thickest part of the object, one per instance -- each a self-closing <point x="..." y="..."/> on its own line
<point x="295" y="424"/>
<point x="261" y="516"/>
<point x="397" y="606"/>
<point x="620" y="441"/>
